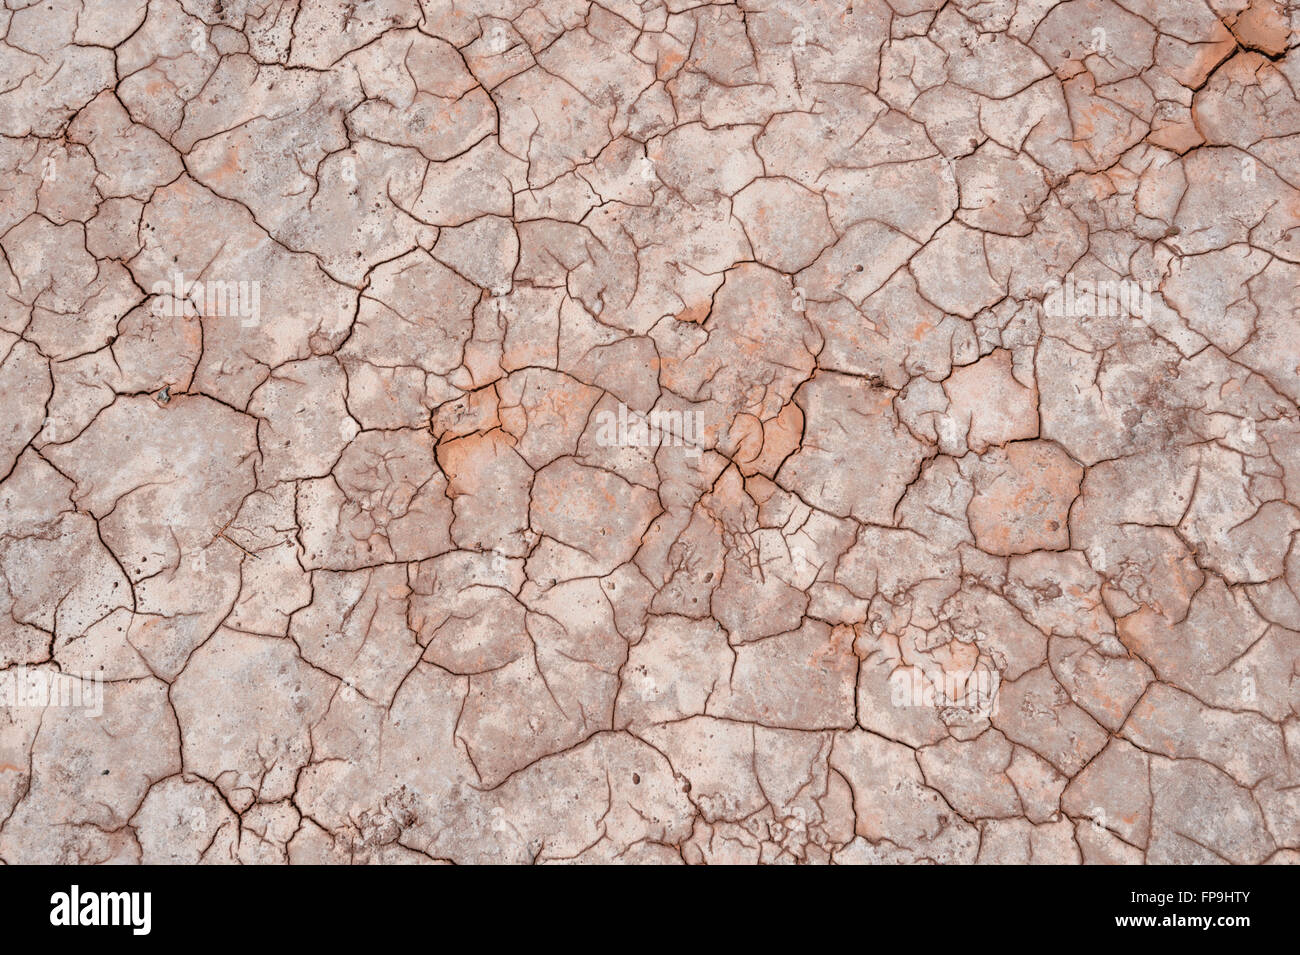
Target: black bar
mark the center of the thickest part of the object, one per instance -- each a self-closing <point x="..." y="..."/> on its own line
<point x="264" y="905"/>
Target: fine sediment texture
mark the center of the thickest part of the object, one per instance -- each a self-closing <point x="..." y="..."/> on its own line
<point x="834" y="431"/>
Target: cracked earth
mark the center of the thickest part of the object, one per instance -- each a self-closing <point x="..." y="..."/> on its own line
<point x="650" y="432"/>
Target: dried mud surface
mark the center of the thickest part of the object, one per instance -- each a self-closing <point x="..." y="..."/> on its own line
<point x="836" y="431"/>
